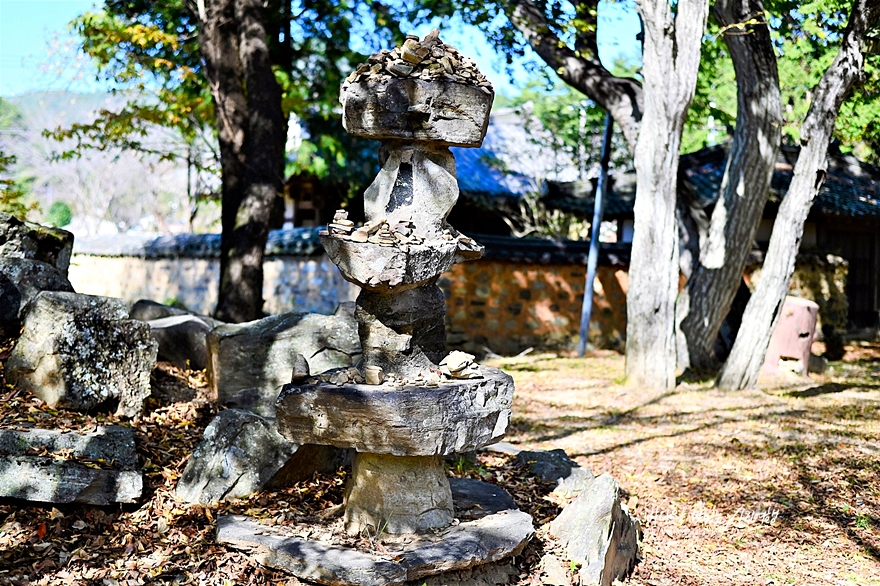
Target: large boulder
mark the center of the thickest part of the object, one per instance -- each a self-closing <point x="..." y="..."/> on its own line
<point x="597" y="531"/>
<point x="21" y="280"/>
<point x="182" y="340"/>
<point x="248" y="363"/>
<point x="62" y="474"/>
<point x="242" y="453"/>
<point x="19" y="239"/>
<point x="81" y="351"/>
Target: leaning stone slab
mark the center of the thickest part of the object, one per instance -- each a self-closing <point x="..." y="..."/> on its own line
<point x="457" y="416"/>
<point x="489" y="538"/>
<point x="21" y="280"/>
<point x="63" y="477"/>
<point x="182" y="340"/>
<point x="598" y="532"/>
<point x="147" y="310"/>
<point x="241" y="453"/>
<point x="20" y="239"/>
<point x="81" y="351"/>
<point x="248" y="363"/>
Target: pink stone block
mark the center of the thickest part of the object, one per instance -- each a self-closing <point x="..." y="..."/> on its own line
<point x="793" y="335"/>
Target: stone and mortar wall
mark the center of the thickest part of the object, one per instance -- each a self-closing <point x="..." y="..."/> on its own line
<point x="290" y="283"/>
<point x="819" y="277"/>
<point x="506" y="304"/>
<point x="510" y="306"/>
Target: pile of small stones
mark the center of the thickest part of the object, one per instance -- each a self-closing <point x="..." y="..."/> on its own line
<point x="429" y="59"/>
<point x="456" y="365"/>
<point x="377" y="232"/>
<point x="400" y="235"/>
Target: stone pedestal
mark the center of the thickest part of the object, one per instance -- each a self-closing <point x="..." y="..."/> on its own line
<point x="396" y="494"/>
<point x="418" y="99"/>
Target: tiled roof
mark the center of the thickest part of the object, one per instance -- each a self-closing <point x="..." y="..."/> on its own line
<point x="851" y="189"/>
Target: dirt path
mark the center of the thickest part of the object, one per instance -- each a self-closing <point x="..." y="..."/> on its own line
<point x="756" y="487"/>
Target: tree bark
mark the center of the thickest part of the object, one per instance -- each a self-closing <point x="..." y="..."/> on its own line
<point x="718" y="266"/>
<point x="745" y="360"/>
<point x="671" y="61"/>
<point x="251" y="132"/>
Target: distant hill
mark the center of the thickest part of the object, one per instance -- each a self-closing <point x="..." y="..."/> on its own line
<point x="63" y="107"/>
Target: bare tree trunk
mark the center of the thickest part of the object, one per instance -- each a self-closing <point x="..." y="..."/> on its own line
<point x="671" y="60"/>
<point x="745" y="360"/>
<point x="718" y="267"/>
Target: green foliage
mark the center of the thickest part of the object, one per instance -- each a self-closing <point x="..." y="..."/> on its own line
<point x="806" y="36"/>
<point x="150" y="51"/>
<point x="12" y="198"/>
<point x="59" y="214"/>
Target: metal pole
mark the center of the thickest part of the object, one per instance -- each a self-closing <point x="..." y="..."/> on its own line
<point x="593" y="257"/>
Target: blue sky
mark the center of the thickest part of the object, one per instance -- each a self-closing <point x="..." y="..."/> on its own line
<point x="37" y="53"/>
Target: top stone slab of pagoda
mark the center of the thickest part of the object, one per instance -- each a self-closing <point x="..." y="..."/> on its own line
<point x="421" y="91"/>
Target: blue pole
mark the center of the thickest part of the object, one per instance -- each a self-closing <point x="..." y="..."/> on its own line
<point x="593" y="257"/>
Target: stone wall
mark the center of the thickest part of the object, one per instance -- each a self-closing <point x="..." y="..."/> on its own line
<point x="290" y="283"/>
<point x="510" y="306"/>
<point x="523" y="293"/>
<point x="819" y="277"/>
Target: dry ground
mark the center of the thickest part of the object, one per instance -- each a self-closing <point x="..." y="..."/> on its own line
<point x="776" y="486"/>
<point x="780" y="486"/>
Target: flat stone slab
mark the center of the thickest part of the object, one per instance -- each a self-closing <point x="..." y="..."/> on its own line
<point x="385" y="268"/>
<point x="48" y="479"/>
<point x="490" y="538"/>
<point x="457" y="416"/>
<point x="446" y="113"/>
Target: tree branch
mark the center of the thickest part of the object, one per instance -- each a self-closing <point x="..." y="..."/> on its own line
<point x="622" y="97"/>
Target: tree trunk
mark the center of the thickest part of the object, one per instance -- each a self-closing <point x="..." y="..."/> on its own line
<point x="251" y="131"/>
<point x="671" y="60"/>
<point x="718" y="266"/>
<point x="745" y="360"/>
<point x="241" y="265"/>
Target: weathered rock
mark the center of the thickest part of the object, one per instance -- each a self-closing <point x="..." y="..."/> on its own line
<point x="248" y="363"/>
<point x="553" y="572"/>
<point x="242" y="453"/>
<point x="598" y="532"/>
<point x="62" y="476"/>
<point x="20" y="281"/>
<point x="381" y="268"/>
<point x="487" y="539"/>
<point x="403" y="333"/>
<point x="446" y="113"/>
<point x="81" y="351"/>
<point x="111" y="445"/>
<point x="391" y="494"/>
<point x="417" y="184"/>
<point x="20" y="239"/>
<point x="556" y="466"/>
<point x="474" y="499"/>
<point x="182" y="340"/>
<point x="456" y="416"/>
<point x="146" y="310"/>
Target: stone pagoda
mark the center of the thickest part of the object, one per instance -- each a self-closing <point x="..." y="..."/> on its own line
<point x="406" y="405"/>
